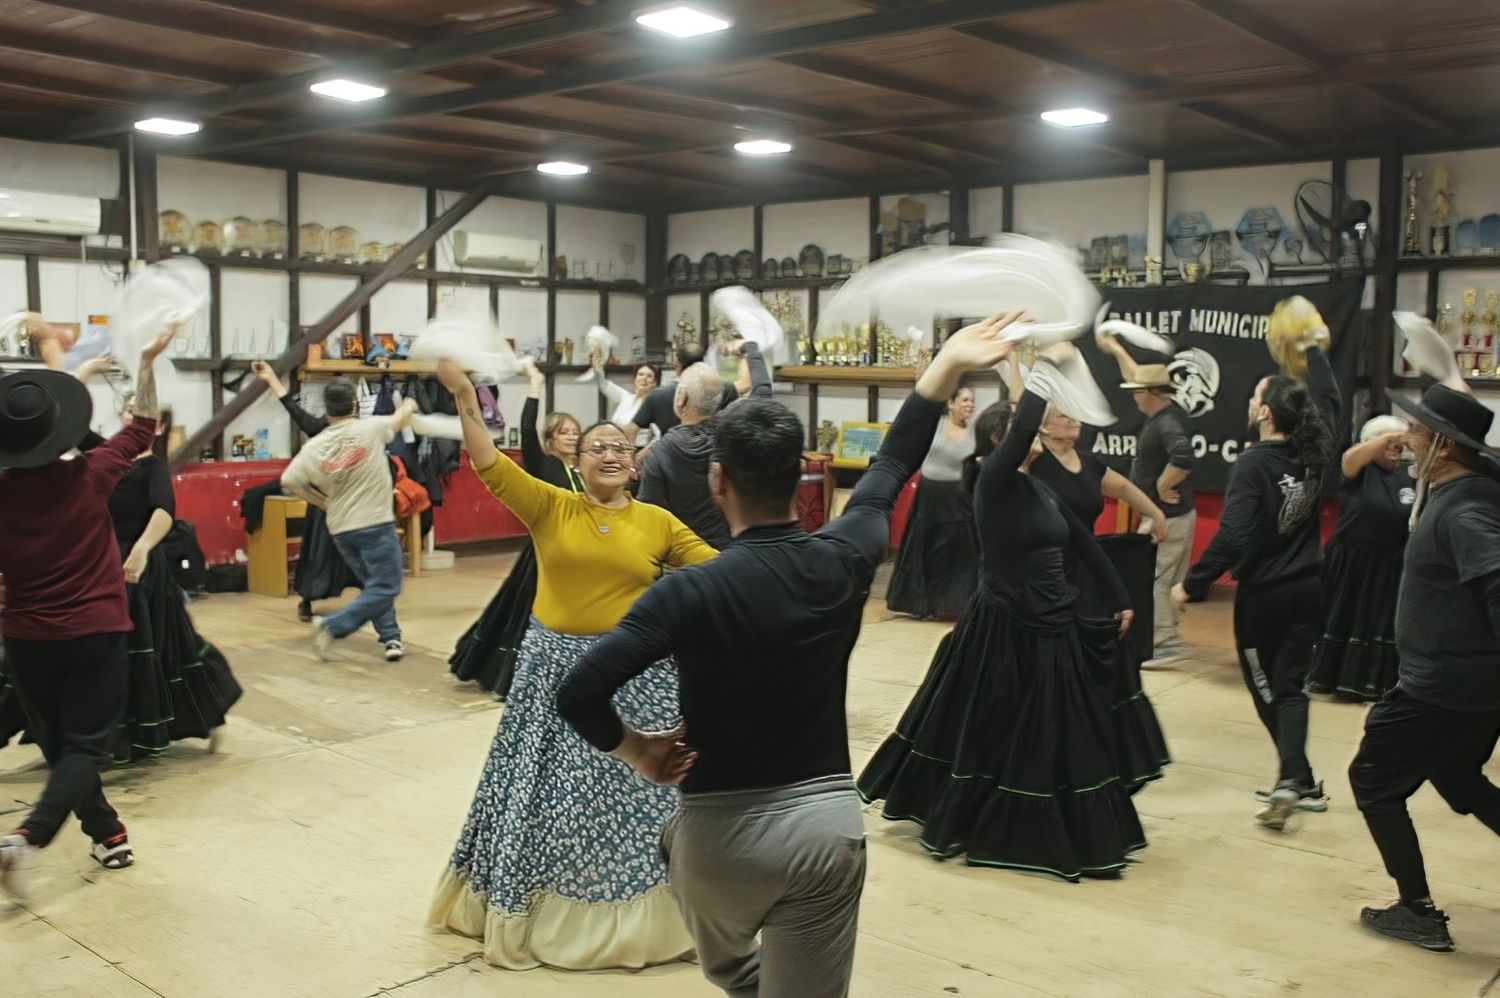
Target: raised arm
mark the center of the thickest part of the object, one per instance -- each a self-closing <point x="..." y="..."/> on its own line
<point x="867" y="517"/>
<point x="532" y="456"/>
<point x="1001" y="467"/>
<point x="1325" y="391"/>
<point x="528" y="497"/>
<point x="108" y="462"/>
<point x="1361" y="456"/>
<point x="759" y="374"/>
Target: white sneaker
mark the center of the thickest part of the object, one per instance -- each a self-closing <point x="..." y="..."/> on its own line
<point x="395" y="651"/>
<point x="15" y="856"/>
<point x="216" y="740"/>
<point x="322" y="638"/>
<point x="1279" y="807"/>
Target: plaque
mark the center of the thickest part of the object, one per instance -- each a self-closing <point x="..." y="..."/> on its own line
<point x="770" y="270"/>
<point x="1188" y="236"/>
<point x="175" y="231"/>
<point x="789" y="269"/>
<point x="353" y="346"/>
<point x="677" y="269"/>
<point x="1466" y="239"/>
<point x="745" y="267"/>
<point x="708" y="269"/>
<point x="1489" y="235"/>
<point x="810" y="261"/>
<point x="1260" y="231"/>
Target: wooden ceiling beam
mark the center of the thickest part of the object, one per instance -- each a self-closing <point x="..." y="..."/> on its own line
<point x="434" y="55"/>
<point x="1239" y="123"/>
<point x="876" y="147"/>
<point x="885" y="81"/>
<point x="1267" y="32"/>
<point x="546" y="123"/>
<point x="714" y="52"/>
<point x="94" y="53"/>
<point x="298" y="12"/>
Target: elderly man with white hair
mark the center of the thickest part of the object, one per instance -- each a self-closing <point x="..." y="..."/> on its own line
<point x="675" y="473"/>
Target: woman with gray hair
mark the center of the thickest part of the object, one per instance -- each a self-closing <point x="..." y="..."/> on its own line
<point x="1356" y="657"/>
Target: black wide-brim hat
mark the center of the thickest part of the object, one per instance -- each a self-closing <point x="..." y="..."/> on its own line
<point x="43" y="415"/>
<point x="1459" y="417"/>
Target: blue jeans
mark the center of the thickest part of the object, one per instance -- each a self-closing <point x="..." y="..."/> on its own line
<point x="373" y="554"/>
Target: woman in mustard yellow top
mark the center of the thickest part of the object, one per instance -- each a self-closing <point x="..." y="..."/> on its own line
<point x="560" y="862"/>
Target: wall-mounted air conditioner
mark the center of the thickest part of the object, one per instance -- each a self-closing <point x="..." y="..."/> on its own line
<point x="516" y="256"/>
<point x="48" y="214"/>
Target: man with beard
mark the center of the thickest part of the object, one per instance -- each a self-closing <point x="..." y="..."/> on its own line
<point x="1441" y="721"/>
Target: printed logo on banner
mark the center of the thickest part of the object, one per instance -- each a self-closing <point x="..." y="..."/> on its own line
<point x="1195" y="381"/>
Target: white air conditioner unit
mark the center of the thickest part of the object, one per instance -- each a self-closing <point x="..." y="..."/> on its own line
<point x="517" y="256"/>
<point x="48" y="214"/>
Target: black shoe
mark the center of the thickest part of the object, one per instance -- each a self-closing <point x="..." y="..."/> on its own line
<point x="304" y="612"/>
<point x="1310" y="797"/>
<point x="1415" y="922"/>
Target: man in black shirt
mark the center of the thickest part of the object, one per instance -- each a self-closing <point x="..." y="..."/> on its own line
<point x="1162" y="469"/>
<point x="1442" y="720"/>
<point x="675" y="473"/>
<point x="770" y="839"/>
<point x="660" y="407"/>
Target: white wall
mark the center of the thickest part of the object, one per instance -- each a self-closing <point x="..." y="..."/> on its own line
<point x="627" y="320"/>
<point x="1076" y="212"/>
<point x="611" y="243"/>
<point x="52" y="168"/>
<point x="841" y="226"/>
<point x="696" y="233"/>
<point x="220" y="191"/>
<point x="986" y="211"/>
<point x="387" y="213"/>
<point x="493" y="217"/>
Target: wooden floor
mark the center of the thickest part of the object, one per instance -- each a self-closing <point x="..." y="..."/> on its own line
<point x="300" y="860"/>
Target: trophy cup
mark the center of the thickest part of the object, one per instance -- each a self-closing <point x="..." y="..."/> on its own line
<point x="1467" y="362"/>
<point x="1486" y="351"/>
<point x="1442" y="210"/>
<point x="1411" y="240"/>
<point x="1188" y="235"/>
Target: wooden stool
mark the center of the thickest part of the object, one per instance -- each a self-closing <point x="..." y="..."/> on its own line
<point x="268" y="546"/>
<point x="411" y="542"/>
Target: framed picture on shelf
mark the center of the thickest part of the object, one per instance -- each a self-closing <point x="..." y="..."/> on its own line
<point x="352" y="346"/>
<point x="857" y="443"/>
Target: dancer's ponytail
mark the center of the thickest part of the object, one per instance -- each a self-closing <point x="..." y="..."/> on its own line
<point x="1296" y="415"/>
<point x="989" y="429"/>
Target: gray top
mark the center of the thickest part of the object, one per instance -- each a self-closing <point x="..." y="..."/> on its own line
<point x="945" y="459"/>
<point x="1164" y="440"/>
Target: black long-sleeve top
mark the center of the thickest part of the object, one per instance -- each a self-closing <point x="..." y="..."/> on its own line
<point x="675" y="475"/>
<point x="1026" y="531"/>
<point x="146" y="488"/>
<point x="1268" y="530"/>
<point x="306" y="421"/>
<point x="537" y="462"/>
<point x="761" y="635"/>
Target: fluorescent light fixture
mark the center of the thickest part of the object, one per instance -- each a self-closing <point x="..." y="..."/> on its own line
<point x="682" y="22"/>
<point x="562" y="168"/>
<point x="167" y="126"/>
<point x="1074" y="117"/>
<point x="347" y="90"/>
<point x="763" y="147"/>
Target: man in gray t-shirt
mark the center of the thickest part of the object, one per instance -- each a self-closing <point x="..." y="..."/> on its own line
<point x="1441" y="722"/>
<point x="1163" y="469"/>
<point x="344" y="470"/>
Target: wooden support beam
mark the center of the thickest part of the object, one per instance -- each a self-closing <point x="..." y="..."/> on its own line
<point x="95" y="53"/>
<point x="1387" y="255"/>
<point x="33" y="283"/>
<point x="325" y="19"/>
<point x="296" y="354"/>
<point x="144" y="199"/>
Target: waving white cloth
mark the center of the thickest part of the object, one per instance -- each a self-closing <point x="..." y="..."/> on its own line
<point x="172" y="292"/>
<point x="1426" y="350"/>
<point x="1062" y="377"/>
<point x="597" y="342"/>
<point x="439" y="426"/>
<point x="1136" y="336"/>
<point x="1013" y="273"/>
<point x="750" y="318"/>
<point x="473" y="344"/>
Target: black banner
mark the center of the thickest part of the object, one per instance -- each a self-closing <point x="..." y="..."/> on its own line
<point x="1220" y="336"/>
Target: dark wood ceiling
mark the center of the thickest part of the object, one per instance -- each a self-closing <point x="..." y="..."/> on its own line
<point x="877" y="95"/>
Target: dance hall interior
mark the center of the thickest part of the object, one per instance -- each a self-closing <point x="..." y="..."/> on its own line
<point x="765" y="498"/>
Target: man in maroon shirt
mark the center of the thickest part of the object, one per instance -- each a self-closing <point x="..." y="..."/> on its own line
<point x="65" y="618"/>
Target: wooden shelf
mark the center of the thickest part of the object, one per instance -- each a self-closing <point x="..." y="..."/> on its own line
<point x="1449" y="263"/>
<point x="778" y="284"/>
<point x="333" y="368"/>
<point x="818" y="375"/>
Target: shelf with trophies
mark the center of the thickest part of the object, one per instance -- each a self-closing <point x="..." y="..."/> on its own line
<point x="1473" y="331"/>
<point x="1439" y="244"/>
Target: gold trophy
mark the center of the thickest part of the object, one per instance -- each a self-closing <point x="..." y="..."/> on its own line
<point x="1467" y="361"/>
<point x="1440" y="235"/>
<point x="1486" y="347"/>
<point x="1411" y="238"/>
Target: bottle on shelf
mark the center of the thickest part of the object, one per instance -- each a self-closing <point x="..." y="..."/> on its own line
<point x="1486" y="353"/>
<point x="1468" y="364"/>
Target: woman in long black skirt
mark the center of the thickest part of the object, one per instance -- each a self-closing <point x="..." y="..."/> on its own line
<point x="1355" y="658"/>
<point x="488" y="651"/>
<point x="1009" y="753"/>
<point x="1081" y="481"/>
<point x="180" y="685"/>
<point x="937" y="565"/>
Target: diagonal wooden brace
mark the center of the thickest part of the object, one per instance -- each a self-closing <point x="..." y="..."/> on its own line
<point x="296" y="354"/>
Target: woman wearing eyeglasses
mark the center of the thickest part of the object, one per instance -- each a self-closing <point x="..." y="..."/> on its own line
<point x="487" y="652"/>
<point x="559" y="863"/>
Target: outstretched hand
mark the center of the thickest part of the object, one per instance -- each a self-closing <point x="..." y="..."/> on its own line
<point x="981" y="345"/>
<point x="661" y="756"/>
<point x="453" y="377"/>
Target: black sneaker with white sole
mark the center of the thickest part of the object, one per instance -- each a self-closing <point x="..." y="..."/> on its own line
<point x="1417" y="922"/>
<point x="1310" y="798"/>
<point x="395" y="651"/>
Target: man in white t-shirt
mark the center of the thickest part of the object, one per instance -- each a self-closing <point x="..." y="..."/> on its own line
<point x="345" y="471"/>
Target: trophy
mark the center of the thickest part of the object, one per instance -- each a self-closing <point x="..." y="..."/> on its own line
<point x="1411" y="240"/>
<point x="828" y="435"/>
<point x="1486" y="353"/>
<point x="1442" y="211"/>
<point x="1467" y="362"/>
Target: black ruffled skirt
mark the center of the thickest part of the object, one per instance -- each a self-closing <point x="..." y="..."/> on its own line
<point x="321" y="572"/>
<point x="1356" y="656"/>
<point x="180" y="685"/>
<point x="488" y="651"/>
<point x="937" y="565"/>
<point x="1022" y="747"/>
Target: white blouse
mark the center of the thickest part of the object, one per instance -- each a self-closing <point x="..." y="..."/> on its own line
<point x="625" y="404"/>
